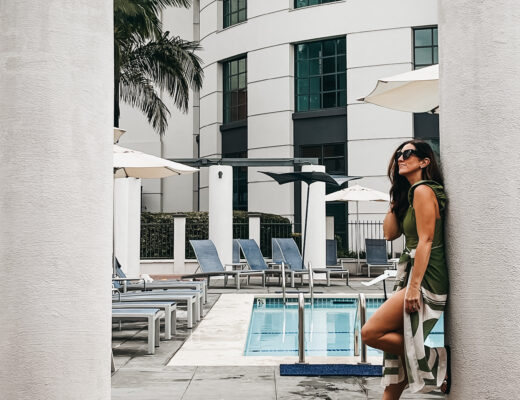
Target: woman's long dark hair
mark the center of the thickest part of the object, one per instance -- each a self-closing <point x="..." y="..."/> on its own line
<point x="400" y="185"/>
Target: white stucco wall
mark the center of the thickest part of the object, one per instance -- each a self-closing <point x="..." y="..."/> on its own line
<point x="480" y="97"/>
<point x="221" y="211"/>
<point x="315" y="235"/>
<point x="127" y="224"/>
<point x="56" y="80"/>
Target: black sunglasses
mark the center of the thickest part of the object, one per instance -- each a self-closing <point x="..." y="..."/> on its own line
<point x="406" y="154"/>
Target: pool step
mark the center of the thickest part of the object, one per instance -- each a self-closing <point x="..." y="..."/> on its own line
<point x="331" y="370"/>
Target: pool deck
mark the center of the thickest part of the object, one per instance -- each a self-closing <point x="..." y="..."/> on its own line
<point x="184" y="368"/>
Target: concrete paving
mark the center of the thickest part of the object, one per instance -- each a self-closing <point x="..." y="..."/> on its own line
<point x="140" y="376"/>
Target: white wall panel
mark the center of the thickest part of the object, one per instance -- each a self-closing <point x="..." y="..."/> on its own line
<point x="210" y="141"/>
<point x="370" y="157"/>
<point x="390" y="46"/>
<point x="271" y="95"/>
<point x="267" y="130"/>
<point x="212" y="79"/>
<point x="211" y="109"/>
<point x="371" y="121"/>
<point x="270" y="62"/>
<point x="256" y="8"/>
<point x="208" y="18"/>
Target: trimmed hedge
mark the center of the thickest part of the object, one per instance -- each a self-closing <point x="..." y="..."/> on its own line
<point x="196" y="217"/>
<point x="197" y="227"/>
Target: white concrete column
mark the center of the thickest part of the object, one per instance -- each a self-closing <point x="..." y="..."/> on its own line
<point x="127" y="226"/>
<point x="56" y="119"/>
<point x="330" y="227"/>
<point x="254" y="227"/>
<point x="316" y="225"/>
<point x="179" y="244"/>
<point x="221" y="210"/>
<point x="480" y="143"/>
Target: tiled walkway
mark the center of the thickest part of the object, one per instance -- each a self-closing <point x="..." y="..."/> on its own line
<point x="142" y="377"/>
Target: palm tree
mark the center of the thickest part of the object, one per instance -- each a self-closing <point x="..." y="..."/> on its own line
<point x="147" y="60"/>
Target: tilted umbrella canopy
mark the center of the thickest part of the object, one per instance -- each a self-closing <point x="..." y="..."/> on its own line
<point x="358" y="193"/>
<point x="308" y="177"/>
<point x="134" y="164"/>
<point x="414" y="91"/>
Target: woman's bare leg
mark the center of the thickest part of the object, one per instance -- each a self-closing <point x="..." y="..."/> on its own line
<point x="384" y="331"/>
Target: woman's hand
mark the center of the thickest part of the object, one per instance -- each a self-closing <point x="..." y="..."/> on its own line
<point x="412" y="299"/>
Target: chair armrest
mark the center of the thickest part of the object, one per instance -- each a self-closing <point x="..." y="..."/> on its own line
<point x="237" y="266"/>
<point x="274" y="265"/>
<point x="117" y="279"/>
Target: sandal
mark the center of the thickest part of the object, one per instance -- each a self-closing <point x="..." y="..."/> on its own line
<point x="446" y="383"/>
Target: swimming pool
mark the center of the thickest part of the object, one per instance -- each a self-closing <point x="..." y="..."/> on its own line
<point x="329" y="327"/>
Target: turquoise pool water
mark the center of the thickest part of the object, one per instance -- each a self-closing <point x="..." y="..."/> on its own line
<point x="329" y="328"/>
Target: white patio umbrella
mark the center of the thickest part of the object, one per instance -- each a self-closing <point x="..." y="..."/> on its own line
<point x="414" y="91"/>
<point x="118" y="132"/>
<point x="357" y="193"/>
<point x="134" y="164"/>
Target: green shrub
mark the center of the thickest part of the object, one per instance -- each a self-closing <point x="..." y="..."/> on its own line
<point x="197" y="227"/>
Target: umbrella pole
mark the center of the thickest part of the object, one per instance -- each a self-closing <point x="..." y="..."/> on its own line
<point x="305" y="228"/>
<point x="114" y="227"/>
<point x="357" y="238"/>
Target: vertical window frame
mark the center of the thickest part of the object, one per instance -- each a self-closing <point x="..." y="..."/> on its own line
<point x="432" y="46"/>
<point x="309" y="61"/>
<point x="229" y="12"/>
<point x="306" y="3"/>
<point x="234" y="99"/>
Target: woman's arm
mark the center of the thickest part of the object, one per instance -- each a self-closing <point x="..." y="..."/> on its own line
<point x="425" y="206"/>
<point x="391" y="227"/>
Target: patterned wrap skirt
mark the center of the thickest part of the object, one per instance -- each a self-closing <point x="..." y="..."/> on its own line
<point x="426" y="366"/>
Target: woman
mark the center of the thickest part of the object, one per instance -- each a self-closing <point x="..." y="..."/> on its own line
<point x="400" y="326"/>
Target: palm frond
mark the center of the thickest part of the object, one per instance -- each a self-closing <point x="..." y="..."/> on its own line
<point x="138" y="91"/>
<point x="171" y="64"/>
<point x="146" y="59"/>
<point x="141" y="17"/>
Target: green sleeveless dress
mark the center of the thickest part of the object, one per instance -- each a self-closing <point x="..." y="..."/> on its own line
<point x="426" y="366"/>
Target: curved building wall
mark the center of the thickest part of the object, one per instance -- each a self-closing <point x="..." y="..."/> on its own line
<point x="379" y="43"/>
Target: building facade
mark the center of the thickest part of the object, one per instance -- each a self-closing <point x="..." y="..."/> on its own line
<point x="282" y="79"/>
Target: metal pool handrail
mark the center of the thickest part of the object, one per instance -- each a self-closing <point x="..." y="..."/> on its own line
<point x="301" y="329"/>
<point x="362" y="321"/>
<point x="283" y="283"/>
<point x="311" y="283"/>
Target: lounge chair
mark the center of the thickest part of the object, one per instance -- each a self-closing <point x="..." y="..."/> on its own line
<point x="191" y="301"/>
<point x="389" y="273"/>
<point x="331" y="252"/>
<point x="210" y="264"/>
<point x="254" y="257"/>
<point x="377" y="256"/>
<point x="168" y="307"/>
<point x="151" y="316"/>
<point x="290" y="254"/>
<point x="124" y="283"/>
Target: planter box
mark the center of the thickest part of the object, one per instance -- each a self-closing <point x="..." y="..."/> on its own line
<point x="351" y="265"/>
